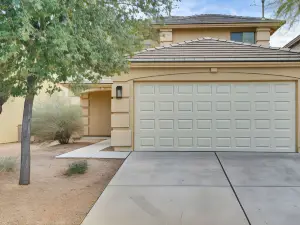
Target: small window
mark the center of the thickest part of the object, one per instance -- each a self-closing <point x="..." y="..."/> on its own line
<point x="247" y="37"/>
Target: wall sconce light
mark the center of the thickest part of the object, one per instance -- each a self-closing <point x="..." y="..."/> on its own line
<point x="119" y="91"/>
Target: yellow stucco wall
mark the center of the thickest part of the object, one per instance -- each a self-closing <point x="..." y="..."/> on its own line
<point x="12" y="114"/>
<point x="190" y="34"/>
<point x="169" y="36"/>
<point x="10" y="118"/>
<point x="100" y="113"/>
<point x="174" y="73"/>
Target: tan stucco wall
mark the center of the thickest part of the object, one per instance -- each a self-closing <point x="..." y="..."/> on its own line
<point x="99" y="118"/>
<point x="190" y="34"/>
<point x="10" y="118"/>
<point x="199" y="74"/>
<point x="12" y="114"/>
<point x="168" y="36"/>
<point x="263" y="36"/>
<point x="120" y="136"/>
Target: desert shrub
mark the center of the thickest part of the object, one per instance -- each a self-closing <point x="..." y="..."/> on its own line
<point x="8" y="164"/>
<point x="79" y="167"/>
<point x="56" y="119"/>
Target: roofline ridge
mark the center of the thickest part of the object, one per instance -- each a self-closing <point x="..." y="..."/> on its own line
<point x="219" y="14"/>
<point x="226" y="16"/>
<point x="149" y="49"/>
<point x="295" y="51"/>
<point x="235" y="16"/>
<point x="256" y="45"/>
<point x="216" y="39"/>
<point x="292" y="42"/>
<point x="285" y="49"/>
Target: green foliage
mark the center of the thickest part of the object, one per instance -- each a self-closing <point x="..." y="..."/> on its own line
<point x="71" y="40"/>
<point x="79" y="167"/>
<point x="287" y="9"/>
<point x="77" y="89"/>
<point x="56" y="119"/>
<point x="53" y="41"/>
<point x="8" y="164"/>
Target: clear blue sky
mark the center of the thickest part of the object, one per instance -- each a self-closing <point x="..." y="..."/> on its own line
<point x="235" y="7"/>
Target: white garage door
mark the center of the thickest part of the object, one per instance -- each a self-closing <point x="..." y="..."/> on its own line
<point x="252" y="116"/>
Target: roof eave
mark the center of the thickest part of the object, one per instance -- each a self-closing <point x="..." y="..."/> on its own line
<point x="206" y="64"/>
<point x="273" y="25"/>
<point x="216" y="60"/>
<point x="293" y="42"/>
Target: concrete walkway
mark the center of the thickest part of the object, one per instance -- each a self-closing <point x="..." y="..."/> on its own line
<point x="201" y="188"/>
<point x="94" y="151"/>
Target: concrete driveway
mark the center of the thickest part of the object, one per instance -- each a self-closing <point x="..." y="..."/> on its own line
<point x="202" y="188"/>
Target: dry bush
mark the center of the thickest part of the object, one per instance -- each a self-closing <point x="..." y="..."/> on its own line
<point x="56" y="119"/>
<point x="8" y="164"/>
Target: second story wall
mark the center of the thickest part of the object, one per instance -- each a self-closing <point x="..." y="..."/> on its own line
<point x="253" y="30"/>
<point x="170" y="36"/>
<point x="191" y="34"/>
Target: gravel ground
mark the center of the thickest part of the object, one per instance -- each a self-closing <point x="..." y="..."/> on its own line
<point x="51" y="198"/>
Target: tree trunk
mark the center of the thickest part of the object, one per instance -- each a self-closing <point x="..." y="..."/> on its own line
<point x="26" y="134"/>
<point x="25" y="141"/>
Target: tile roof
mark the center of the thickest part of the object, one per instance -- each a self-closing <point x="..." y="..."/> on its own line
<point x="215" y="50"/>
<point x="293" y="42"/>
<point x="213" y="19"/>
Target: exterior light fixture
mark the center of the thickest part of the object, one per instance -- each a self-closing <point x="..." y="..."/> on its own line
<point x="119" y="91"/>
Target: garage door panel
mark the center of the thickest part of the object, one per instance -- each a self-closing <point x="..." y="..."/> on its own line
<point x="215" y="116"/>
<point x="283" y="124"/>
<point x="147" y="90"/>
<point x="165" y="90"/>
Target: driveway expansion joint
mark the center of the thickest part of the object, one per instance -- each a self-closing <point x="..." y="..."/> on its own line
<point x="232" y="187"/>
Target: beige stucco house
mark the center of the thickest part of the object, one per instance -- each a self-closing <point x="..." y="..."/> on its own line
<point x="213" y="84"/>
<point x="294" y="44"/>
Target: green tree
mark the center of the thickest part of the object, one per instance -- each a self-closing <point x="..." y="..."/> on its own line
<point x="286" y="9"/>
<point x="55" y="41"/>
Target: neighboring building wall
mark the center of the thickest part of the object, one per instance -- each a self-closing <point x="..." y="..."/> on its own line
<point x="12" y="114"/>
<point x="123" y="109"/>
<point x="169" y="36"/>
<point x="10" y="119"/>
